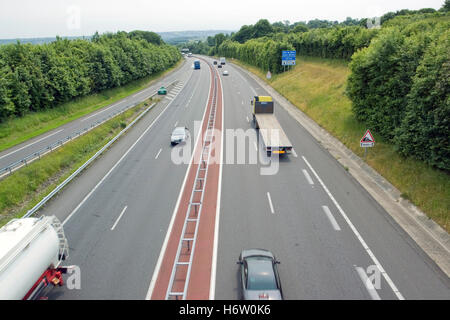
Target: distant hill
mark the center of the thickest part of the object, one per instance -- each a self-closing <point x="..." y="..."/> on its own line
<point x="39" y="40"/>
<point x="173" y="37"/>
<point x="176" y="37"/>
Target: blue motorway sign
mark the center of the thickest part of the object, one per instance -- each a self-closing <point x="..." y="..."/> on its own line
<point x="288" y="57"/>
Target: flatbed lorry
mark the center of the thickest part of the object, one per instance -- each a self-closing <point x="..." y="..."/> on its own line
<point x="272" y="134"/>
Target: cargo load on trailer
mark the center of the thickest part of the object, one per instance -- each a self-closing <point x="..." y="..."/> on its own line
<point x="273" y="136"/>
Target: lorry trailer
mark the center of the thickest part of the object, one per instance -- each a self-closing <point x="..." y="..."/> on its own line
<point x="272" y="134"/>
<point x="31" y="251"/>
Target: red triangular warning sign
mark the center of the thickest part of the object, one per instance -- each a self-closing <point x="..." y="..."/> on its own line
<point x="368" y="137"/>
<point x="367" y="140"/>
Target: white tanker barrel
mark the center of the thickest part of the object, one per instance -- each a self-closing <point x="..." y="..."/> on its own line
<point x="28" y="248"/>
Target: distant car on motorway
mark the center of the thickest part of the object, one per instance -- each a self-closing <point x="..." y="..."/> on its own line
<point x="215" y="62"/>
<point x="219" y="66"/>
<point x="259" y="278"/>
<point x="179" y="135"/>
<point x="225" y="73"/>
<point x="162" y="91"/>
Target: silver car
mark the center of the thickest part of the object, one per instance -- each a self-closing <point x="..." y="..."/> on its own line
<point x="225" y="73"/>
<point x="259" y="275"/>
<point x="179" y="135"/>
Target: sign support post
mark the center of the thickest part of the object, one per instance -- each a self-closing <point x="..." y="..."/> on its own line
<point x="367" y="141"/>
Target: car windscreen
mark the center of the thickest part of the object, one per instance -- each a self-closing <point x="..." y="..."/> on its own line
<point x="260" y="274"/>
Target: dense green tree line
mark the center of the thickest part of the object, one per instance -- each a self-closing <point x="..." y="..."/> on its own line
<point x="264" y="53"/>
<point x="36" y="77"/>
<point x="338" y="42"/>
<point x="400" y="85"/>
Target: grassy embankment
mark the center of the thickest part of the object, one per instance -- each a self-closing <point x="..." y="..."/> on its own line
<point x="18" y="130"/>
<point x="23" y="189"/>
<point x="317" y="87"/>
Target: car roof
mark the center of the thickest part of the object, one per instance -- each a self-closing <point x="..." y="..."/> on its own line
<point x="261" y="273"/>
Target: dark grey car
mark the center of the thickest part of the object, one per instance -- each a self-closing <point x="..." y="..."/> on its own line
<point x="259" y="277"/>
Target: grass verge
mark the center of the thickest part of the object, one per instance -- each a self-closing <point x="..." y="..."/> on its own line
<point x="18" y="130"/>
<point x="22" y="190"/>
<point x="317" y="87"/>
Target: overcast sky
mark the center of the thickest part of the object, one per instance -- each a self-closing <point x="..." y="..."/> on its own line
<point x="48" y="18"/>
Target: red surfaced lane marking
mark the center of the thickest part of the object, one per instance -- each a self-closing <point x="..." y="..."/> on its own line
<point x="201" y="265"/>
<point x="200" y="277"/>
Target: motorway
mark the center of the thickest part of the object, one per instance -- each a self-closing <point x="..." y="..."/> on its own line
<point x="326" y="230"/>
<point x="29" y="147"/>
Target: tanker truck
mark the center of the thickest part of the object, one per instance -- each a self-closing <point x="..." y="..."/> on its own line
<point x="31" y="252"/>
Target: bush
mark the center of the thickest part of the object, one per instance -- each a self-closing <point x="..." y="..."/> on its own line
<point x="399" y="87"/>
<point x="425" y="130"/>
<point x="263" y="53"/>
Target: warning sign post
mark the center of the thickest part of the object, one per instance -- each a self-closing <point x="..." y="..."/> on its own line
<point x="367" y="141"/>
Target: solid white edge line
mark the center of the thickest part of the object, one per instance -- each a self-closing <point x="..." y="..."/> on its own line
<point x="118" y="219"/>
<point x="28" y="145"/>
<point x="270" y="203"/>
<point x="176" y="123"/>
<point x="355" y="231"/>
<point x="331" y="218"/>
<point x="172" y="220"/>
<point x="367" y="283"/>
<point x="212" y="282"/>
<point x="114" y="167"/>
<point x="308" y="177"/>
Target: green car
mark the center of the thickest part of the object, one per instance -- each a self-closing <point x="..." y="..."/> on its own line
<point x="162" y="91"/>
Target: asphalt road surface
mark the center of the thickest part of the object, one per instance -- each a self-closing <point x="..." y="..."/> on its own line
<point x="327" y="231"/>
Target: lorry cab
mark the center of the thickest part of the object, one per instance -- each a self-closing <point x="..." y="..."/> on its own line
<point x="262" y="104"/>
